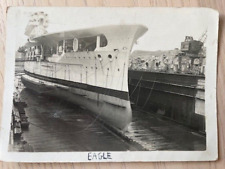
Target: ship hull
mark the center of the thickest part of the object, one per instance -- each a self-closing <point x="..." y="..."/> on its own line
<point x="94" y="75"/>
<point x="115" y="115"/>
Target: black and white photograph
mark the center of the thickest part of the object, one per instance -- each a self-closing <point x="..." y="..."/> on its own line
<point x="110" y="84"/>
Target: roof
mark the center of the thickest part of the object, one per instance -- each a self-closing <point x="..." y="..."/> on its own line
<point x="30" y="44"/>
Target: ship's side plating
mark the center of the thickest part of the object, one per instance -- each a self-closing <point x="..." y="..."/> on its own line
<point x="96" y="80"/>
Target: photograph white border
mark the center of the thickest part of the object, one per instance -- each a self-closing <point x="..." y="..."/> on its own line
<point x="210" y="154"/>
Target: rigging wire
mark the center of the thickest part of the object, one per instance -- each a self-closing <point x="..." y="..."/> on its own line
<point x="149" y="94"/>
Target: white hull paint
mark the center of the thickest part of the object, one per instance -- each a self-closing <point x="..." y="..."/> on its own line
<point x="96" y="80"/>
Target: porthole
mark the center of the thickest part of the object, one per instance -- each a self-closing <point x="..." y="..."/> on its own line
<point x="96" y="68"/>
<point x="107" y="68"/>
<point x="116" y="57"/>
<point x="118" y="70"/>
<point x="110" y="56"/>
<point x="100" y="57"/>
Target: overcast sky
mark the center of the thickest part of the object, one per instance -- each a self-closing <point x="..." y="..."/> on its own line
<point x="167" y="27"/>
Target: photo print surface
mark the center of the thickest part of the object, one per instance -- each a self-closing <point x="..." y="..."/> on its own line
<point x="110" y="84"/>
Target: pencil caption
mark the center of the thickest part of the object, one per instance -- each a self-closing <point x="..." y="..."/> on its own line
<point x="99" y="156"/>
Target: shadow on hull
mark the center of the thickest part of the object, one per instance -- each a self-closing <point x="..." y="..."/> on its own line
<point x="117" y="117"/>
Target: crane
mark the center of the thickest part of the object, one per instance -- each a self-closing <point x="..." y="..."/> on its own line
<point x="203" y="37"/>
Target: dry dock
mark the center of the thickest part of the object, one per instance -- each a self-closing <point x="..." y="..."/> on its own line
<point x="56" y="125"/>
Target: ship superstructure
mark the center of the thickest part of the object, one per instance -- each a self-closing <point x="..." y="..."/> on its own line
<point x="88" y="67"/>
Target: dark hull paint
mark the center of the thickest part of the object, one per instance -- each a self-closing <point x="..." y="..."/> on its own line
<point x="100" y="90"/>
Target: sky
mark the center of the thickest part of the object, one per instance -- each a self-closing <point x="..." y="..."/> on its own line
<point x="167" y="27"/>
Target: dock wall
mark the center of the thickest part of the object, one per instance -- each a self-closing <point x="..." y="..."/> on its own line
<point x="179" y="97"/>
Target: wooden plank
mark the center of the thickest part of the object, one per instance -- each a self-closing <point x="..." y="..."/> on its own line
<point x="215" y="4"/>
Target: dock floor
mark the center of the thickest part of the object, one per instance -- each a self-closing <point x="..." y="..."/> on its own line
<point x="157" y="133"/>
